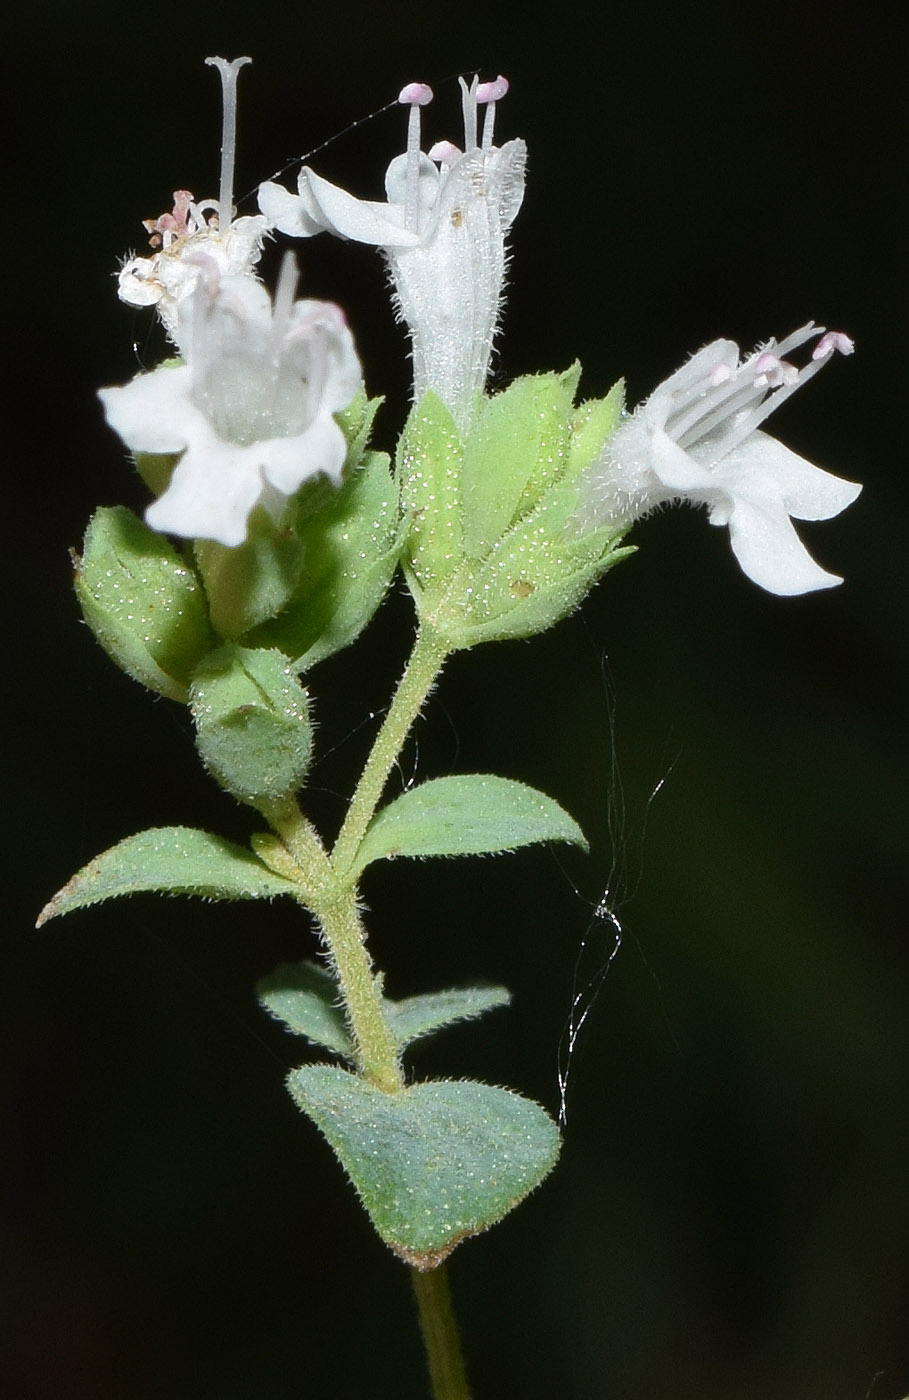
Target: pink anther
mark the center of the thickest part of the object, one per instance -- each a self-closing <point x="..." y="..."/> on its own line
<point x="445" y="152"/>
<point x="833" y="340"/>
<point x="415" y="94"/>
<point x="720" y="374"/>
<point x="492" y="92"/>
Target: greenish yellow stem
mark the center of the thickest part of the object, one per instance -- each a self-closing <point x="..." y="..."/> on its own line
<point x="426" y="661"/>
<point x="440" y="1334"/>
<point x="377" y="1049"/>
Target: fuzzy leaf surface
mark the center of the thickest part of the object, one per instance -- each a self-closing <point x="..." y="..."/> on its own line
<point x="434" y="1163"/>
<point x="305" y="996"/>
<point x="469" y="814"/>
<point x="169" y="860"/>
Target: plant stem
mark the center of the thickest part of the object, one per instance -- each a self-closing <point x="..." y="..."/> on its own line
<point x="377" y="1049"/>
<point x="426" y="661"/>
<point x="440" y="1334"/>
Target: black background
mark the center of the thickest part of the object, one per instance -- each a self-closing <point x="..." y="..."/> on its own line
<point x="729" y="1219"/>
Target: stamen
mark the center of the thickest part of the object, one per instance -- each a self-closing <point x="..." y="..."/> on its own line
<point x="833" y="340"/>
<point x="770" y="371"/>
<point x="489" y="94"/>
<point x="414" y="95"/>
<point x="228" y="70"/>
<point x="444" y="152"/>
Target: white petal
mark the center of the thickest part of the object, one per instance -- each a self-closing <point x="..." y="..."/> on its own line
<point x="771" y="553"/>
<point x="677" y="471"/>
<point x="359" y="219"/>
<point x="154" y="412"/>
<point x="211" y="493"/>
<point x="806" y="491"/>
<point x="288" y="462"/>
<point x="293" y="214"/>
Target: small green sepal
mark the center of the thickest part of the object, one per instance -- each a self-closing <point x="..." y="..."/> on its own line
<point x="252" y="724"/>
<point x="142" y="601"/>
<point x="433" y="1163"/>
<point x="350" y="538"/>
<point x="495" y="546"/>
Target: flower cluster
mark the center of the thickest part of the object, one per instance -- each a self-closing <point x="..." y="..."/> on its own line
<point x="252" y="406"/>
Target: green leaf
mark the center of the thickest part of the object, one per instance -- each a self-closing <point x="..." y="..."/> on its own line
<point x="470" y="814"/>
<point x="169" y="860"/>
<point x="351" y="540"/>
<point x="305" y="996"/>
<point x="434" y="1163"/>
<point x="143" y="603"/>
<point x="252" y="723"/>
<point x="415" y="1017"/>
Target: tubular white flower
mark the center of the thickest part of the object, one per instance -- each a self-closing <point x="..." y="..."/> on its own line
<point x="192" y="228"/>
<point x="442" y="231"/>
<point x="250" y="409"/>
<point x="697" y="439"/>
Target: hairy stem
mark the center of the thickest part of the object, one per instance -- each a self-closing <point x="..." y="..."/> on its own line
<point x="377" y="1049"/>
<point x="440" y="1334"/>
<point x="416" y="684"/>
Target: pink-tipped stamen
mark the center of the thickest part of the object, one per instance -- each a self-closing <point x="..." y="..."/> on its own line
<point x="833" y="340"/>
<point x="415" y="96"/>
<point x="444" y="153"/>
<point x="488" y="94"/>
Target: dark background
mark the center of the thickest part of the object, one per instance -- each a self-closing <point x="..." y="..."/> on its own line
<point x="729" y="1220"/>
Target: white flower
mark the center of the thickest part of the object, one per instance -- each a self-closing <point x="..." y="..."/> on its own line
<point x="442" y="232"/>
<point x="250" y="409"/>
<point x="697" y="439"/>
<point x="208" y="227"/>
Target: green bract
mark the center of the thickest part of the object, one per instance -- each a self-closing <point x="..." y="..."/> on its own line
<point x="142" y="602"/>
<point x="350" y="538"/>
<point x="252" y="724"/>
<point x="494" y="548"/>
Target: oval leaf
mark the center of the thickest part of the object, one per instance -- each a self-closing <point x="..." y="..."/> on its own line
<point x="417" y="1016"/>
<point x="434" y="1163"/>
<point x="306" y="998"/>
<point x="169" y="860"/>
<point x="470" y="814"/>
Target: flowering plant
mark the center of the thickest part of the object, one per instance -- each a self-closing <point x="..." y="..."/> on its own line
<point x="501" y="512"/>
